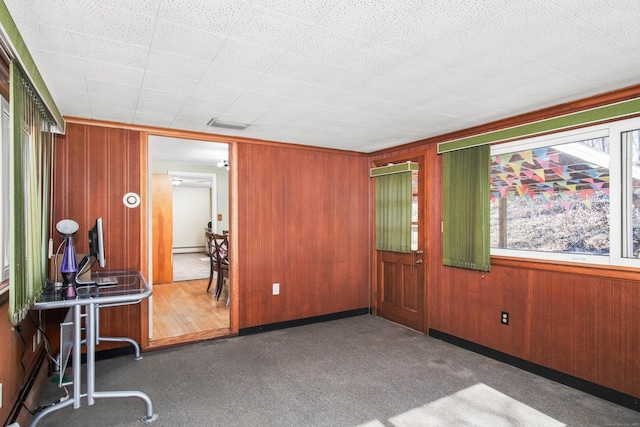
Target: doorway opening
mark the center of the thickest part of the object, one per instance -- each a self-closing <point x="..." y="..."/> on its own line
<point x="189" y="193"/>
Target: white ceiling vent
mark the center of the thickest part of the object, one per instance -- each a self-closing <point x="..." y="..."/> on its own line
<point x="216" y="123"/>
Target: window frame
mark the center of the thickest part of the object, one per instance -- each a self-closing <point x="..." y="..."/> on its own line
<point x="5" y="141"/>
<point x="613" y="130"/>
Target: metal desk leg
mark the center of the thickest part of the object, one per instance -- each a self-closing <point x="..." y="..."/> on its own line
<point x="91" y="352"/>
<point x="77" y="353"/>
<point x="99" y="338"/>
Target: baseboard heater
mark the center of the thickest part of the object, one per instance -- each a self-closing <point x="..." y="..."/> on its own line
<point x="305" y="321"/>
<point x="606" y="393"/>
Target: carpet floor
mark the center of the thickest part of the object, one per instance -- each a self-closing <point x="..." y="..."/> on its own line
<point x="360" y="371"/>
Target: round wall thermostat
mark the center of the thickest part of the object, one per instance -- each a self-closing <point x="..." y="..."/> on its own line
<point x="131" y="200"/>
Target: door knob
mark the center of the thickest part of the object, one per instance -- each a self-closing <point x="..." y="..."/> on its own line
<point x="418" y="261"/>
<point x="419" y="252"/>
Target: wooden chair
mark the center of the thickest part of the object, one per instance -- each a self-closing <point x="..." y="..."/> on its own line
<point x="213" y="257"/>
<point x="221" y="242"/>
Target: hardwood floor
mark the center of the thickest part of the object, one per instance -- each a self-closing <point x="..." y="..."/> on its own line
<point x="184" y="312"/>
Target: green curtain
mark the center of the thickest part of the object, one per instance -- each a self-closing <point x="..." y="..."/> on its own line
<point x="393" y="212"/>
<point x="465" y="208"/>
<point x="31" y="157"/>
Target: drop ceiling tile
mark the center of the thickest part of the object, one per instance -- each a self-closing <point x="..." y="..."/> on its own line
<point x="260" y="100"/>
<point x="325" y="45"/>
<point x="536" y="27"/>
<point x="161" y="108"/>
<point x="206" y="104"/>
<point x="147" y="7"/>
<point x="25" y="11"/>
<point x="403" y="95"/>
<point x="75" y="102"/>
<point x="318" y="94"/>
<point x="113" y="52"/>
<point x="365" y="18"/>
<point x="268" y="28"/>
<point x="466" y="13"/>
<point x="176" y="65"/>
<point x="253" y="57"/>
<point x="153" y="119"/>
<point x="558" y="88"/>
<point x="419" y="74"/>
<point x="607" y="17"/>
<point x="64" y="82"/>
<point x="175" y="100"/>
<point x="459" y="50"/>
<point x="215" y="16"/>
<point x="242" y="113"/>
<point x="112" y="114"/>
<point x="201" y="116"/>
<point x="416" y="34"/>
<point x="100" y="19"/>
<point x="49" y="39"/>
<point x="595" y="62"/>
<point x="188" y="123"/>
<point x="308" y="10"/>
<point x="276" y="86"/>
<point x="375" y="60"/>
<point x="105" y="102"/>
<point x="167" y="83"/>
<point x="217" y="92"/>
<point x="300" y="69"/>
<point x="449" y="106"/>
<point x="186" y="41"/>
<point x="300" y="108"/>
<point x="230" y="76"/>
<point x="108" y="89"/>
<point x="112" y="73"/>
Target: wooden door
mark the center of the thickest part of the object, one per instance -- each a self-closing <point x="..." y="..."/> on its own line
<point x="400" y="288"/>
<point x="162" y="228"/>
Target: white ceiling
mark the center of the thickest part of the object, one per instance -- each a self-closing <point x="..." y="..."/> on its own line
<point x="357" y="75"/>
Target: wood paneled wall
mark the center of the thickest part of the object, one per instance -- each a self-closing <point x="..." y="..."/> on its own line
<point x="95" y="166"/>
<point x="303" y="222"/>
<point x="302" y="218"/>
<point x="580" y="320"/>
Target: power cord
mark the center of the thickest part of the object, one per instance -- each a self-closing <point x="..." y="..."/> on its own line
<point x="62" y="399"/>
<point x="47" y="343"/>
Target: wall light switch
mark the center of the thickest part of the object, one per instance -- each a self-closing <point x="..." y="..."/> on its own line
<point x="276" y="289"/>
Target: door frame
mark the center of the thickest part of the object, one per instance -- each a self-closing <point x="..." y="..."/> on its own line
<point x="147" y="317"/>
<point x="423" y="205"/>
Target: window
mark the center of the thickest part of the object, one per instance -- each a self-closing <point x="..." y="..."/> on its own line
<point x="572" y="196"/>
<point x="4" y="189"/>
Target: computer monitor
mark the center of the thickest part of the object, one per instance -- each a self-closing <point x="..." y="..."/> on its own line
<point x="96" y="243"/>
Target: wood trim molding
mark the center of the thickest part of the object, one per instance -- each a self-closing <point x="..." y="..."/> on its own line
<point x="611" y="272"/>
<point x="211" y="137"/>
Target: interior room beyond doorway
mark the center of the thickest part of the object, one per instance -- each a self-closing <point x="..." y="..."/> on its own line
<point x="189" y="192"/>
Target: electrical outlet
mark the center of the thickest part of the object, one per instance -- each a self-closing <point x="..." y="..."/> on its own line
<point x="276" y="289"/>
<point x="505" y="318"/>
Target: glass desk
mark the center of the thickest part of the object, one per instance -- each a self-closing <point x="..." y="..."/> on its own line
<point x="131" y="288"/>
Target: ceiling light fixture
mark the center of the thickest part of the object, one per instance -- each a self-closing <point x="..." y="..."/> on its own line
<point x="217" y="123"/>
<point x="176" y="181"/>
